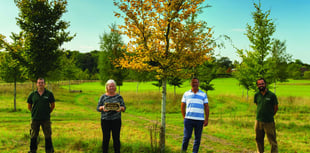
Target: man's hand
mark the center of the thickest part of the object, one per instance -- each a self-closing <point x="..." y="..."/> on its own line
<point x="205" y="123"/>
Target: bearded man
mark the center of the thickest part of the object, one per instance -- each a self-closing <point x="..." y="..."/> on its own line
<point x="267" y="107"/>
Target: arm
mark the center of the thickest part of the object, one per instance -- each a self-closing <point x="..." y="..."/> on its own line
<point x="29" y="107"/>
<point x="183" y="106"/>
<point x="275" y="109"/>
<point x="122" y="107"/>
<point x="100" y="106"/>
<point x="52" y="106"/>
<point x="206" y="114"/>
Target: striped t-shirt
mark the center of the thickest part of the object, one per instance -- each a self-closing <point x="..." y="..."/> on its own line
<point x="195" y="104"/>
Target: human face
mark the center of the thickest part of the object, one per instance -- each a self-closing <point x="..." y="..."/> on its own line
<point x="111" y="88"/>
<point x="261" y="85"/>
<point x="40" y="84"/>
<point x="195" y="84"/>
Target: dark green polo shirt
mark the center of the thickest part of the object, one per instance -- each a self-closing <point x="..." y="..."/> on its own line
<point x="41" y="105"/>
<point x="265" y="106"/>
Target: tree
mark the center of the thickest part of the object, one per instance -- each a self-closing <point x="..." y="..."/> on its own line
<point x="295" y="69"/>
<point x="111" y="45"/>
<point x="10" y="68"/>
<point x="89" y="62"/>
<point x="165" y="37"/>
<point x="206" y="73"/>
<point x="254" y="63"/>
<point x="260" y="38"/>
<point x="278" y="62"/>
<point x="139" y="76"/>
<point x="246" y="71"/>
<point x="69" y="69"/>
<point x="158" y="84"/>
<point x="307" y="75"/>
<point x="175" y="82"/>
<point x="224" y="66"/>
<point x="44" y="34"/>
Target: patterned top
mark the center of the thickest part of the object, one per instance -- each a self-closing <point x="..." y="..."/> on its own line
<point x="110" y="115"/>
<point x="195" y="104"/>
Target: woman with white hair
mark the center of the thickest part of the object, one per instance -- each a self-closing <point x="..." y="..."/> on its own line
<point x="111" y="105"/>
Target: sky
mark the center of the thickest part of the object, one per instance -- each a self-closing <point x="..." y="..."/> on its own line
<point x="89" y="19"/>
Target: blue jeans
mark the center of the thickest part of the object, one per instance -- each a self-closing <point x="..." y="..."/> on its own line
<point x="189" y="125"/>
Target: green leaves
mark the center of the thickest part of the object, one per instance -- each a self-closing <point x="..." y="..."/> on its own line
<point x="44" y="33"/>
<point x="112" y="48"/>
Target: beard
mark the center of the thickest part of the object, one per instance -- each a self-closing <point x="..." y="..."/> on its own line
<point x="261" y="88"/>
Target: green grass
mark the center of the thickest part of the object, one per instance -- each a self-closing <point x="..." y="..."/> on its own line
<point x="76" y="123"/>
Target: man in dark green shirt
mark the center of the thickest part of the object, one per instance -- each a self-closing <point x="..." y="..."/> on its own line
<point x="267" y="107"/>
<point x="41" y="103"/>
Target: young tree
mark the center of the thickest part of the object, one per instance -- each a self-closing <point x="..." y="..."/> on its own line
<point x="206" y="73"/>
<point x="254" y="63"/>
<point x="10" y="69"/>
<point x="69" y="69"/>
<point x="139" y="76"/>
<point x="165" y="38"/>
<point x="111" y="45"/>
<point x="44" y="34"/>
<point x="278" y="62"/>
<point x="175" y="81"/>
<point x="246" y="71"/>
<point x="260" y="38"/>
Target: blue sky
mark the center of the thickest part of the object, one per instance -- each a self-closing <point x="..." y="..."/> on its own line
<point x="91" y="18"/>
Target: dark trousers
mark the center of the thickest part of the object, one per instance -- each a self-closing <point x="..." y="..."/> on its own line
<point x="189" y="125"/>
<point x="34" y="133"/>
<point x="107" y="127"/>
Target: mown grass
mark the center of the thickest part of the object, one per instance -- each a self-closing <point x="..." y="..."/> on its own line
<point x="76" y="123"/>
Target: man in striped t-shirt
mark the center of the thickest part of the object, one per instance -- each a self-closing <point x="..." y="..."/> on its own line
<point x="195" y="111"/>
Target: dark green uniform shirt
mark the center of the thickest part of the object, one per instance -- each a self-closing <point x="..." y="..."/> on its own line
<point x="41" y="105"/>
<point x="265" y="106"/>
<point x="110" y="115"/>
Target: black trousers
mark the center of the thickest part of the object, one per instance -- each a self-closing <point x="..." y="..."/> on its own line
<point x="107" y="127"/>
<point x="34" y="132"/>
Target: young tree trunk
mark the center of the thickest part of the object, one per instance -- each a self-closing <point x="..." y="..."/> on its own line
<point x="163" y="117"/>
<point x="15" y="95"/>
<point x="174" y="91"/>
<point x="247" y="94"/>
<point x="275" y="87"/>
<point x="137" y="87"/>
<point x="69" y="85"/>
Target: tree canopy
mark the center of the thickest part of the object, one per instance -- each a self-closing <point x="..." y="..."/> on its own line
<point x="165" y="37"/>
<point x="44" y="33"/>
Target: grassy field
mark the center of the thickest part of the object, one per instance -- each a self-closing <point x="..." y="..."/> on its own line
<point x="76" y="123"/>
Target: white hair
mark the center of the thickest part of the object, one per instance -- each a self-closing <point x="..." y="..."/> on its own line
<point x="109" y="82"/>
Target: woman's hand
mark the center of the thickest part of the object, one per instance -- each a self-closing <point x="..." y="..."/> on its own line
<point x="121" y="109"/>
<point x="101" y="108"/>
